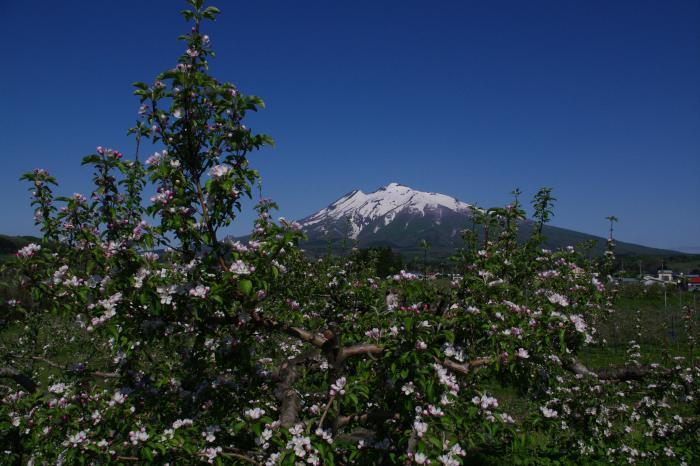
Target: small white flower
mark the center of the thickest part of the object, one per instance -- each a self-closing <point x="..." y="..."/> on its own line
<point x="421" y="458"/>
<point x="240" y="268"/>
<point x="57" y="388"/>
<point x="338" y="388"/>
<point x="200" y="291"/>
<point x="420" y="427"/>
<point x="255" y="413"/>
<point x="485" y="401"/>
<point x="556" y="298"/>
<point x="28" y="251"/>
<point x="219" y="171"/>
<point x="182" y="423"/>
<point x="77" y="439"/>
<point x="138" y="436"/>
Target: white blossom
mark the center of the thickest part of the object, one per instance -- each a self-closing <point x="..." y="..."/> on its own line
<point x="219" y="171"/>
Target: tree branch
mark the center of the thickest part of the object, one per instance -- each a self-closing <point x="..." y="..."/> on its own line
<point x="77" y="370"/>
<point x="356" y="436"/>
<point x="355" y="350"/>
<point x="372" y="416"/>
<point x="325" y="411"/>
<point x="578" y="368"/>
<point x="304" y="335"/>
<point x="613" y="373"/>
<point x="464" y="367"/>
<point x="239" y="456"/>
<point x="290" y="403"/>
<point x="25" y="381"/>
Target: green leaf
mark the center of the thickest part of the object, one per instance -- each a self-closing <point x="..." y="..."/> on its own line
<point x="435" y="441"/>
<point x="562" y="341"/>
<point x="210" y="13"/>
<point x="245" y="286"/>
<point x="92" y="158"/>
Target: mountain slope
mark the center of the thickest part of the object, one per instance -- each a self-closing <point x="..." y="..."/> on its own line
<point x="400" y="217"/>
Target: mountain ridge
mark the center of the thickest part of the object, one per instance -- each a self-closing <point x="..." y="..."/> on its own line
<point x="399" y="217"/>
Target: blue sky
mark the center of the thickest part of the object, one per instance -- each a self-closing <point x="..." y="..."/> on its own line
<point x="599" y="100"/>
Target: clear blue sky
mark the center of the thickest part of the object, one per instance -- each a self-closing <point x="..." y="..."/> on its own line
<point x="598" y="99"/>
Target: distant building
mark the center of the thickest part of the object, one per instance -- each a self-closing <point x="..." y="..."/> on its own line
<point x="628" y="281"/>
<point x="693" y="282"/>
<point x="663" y="277"/>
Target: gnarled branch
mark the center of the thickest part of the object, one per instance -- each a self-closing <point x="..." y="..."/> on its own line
<point x="78" y="369"/>
<point x="349" y="351"/>
<point x="21" y="379"/>
<point x="304" y="335"/>
<point x="363" y="418"/>
<point x="290" y="402"/>
<point x="614" y="373"/>
<point x="463" y="367"/>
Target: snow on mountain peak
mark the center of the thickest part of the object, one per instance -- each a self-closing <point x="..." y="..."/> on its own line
<point x="384" y="203"/>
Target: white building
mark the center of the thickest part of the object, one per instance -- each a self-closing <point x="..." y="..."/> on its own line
<point x="663" y="277"/>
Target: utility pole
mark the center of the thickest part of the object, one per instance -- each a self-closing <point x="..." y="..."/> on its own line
<point x="612" y="219"/>
<point x="680" y="303"/>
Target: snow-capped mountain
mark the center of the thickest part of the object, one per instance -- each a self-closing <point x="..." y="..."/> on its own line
<point x="393" y="215"/>
<point x="353" y="213"/>
<point x="400" y="217"/>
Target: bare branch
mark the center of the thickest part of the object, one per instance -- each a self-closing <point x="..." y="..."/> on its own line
<point x="325" y="411"/>
<point x="464" y="367"/>
<point x="356" y="436"/>
<point x="77" y="370"/>
<point x="355" y="350"/>
<point x="25" y="381"/>
<point x="363" y="418"/>
<point x="614" y="373"/>
<point x="625" y="373"/>
<point x="305" y="335"/>
<point x="239" y="456"/>
<point x="578" y="368"/>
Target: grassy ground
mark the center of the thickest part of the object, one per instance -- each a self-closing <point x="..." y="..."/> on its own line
<point x="657" y="319"/>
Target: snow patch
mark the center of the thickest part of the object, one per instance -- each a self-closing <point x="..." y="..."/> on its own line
<point x="385" y="203"/>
